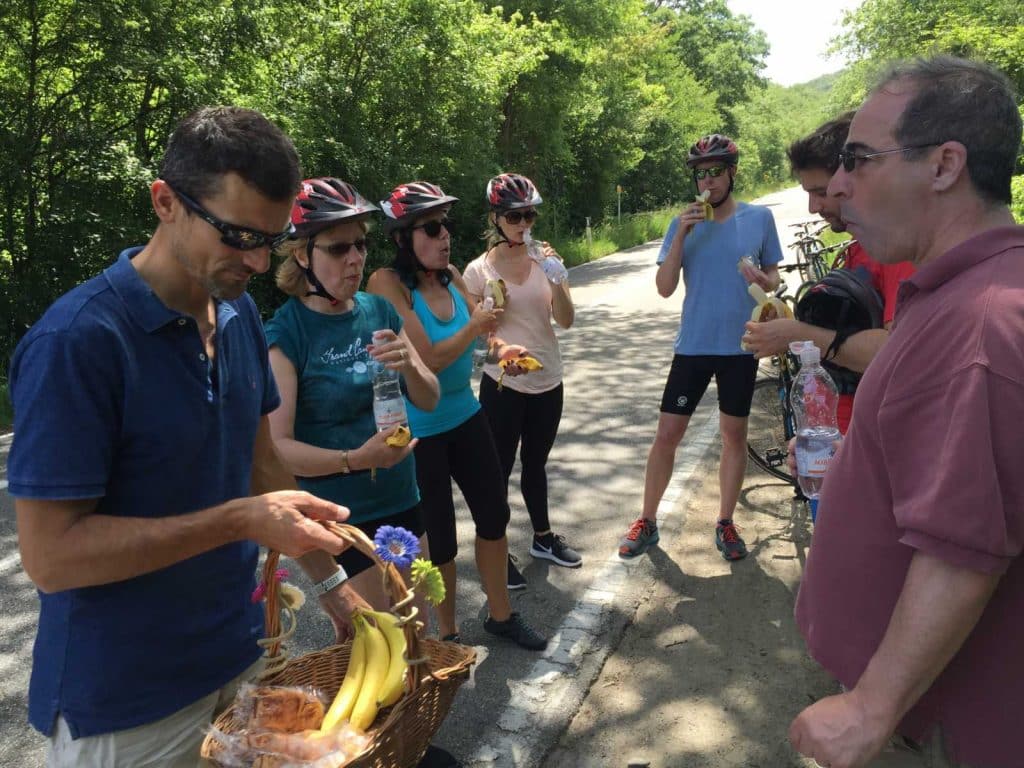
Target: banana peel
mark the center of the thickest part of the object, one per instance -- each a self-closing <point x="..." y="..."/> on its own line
<point x="767" y="307"/>
<point x="496" y="289"/>
<point x="526" y="363"/>
<point x="400" y="437"/>
<point x="703" y="199"/>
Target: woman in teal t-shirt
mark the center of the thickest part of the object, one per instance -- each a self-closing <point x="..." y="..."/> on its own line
<point x="321" y="342"/>
<point x="454" y="439"/>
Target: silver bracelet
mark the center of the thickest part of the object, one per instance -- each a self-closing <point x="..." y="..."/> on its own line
<point x="332" y="581"/>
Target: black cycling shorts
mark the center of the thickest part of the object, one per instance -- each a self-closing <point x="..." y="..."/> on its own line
<point x="690" y="375"/>
<point x="354" y="561"/>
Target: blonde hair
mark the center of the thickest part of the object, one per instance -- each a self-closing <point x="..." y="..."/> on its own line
<point x="290" y="276"/>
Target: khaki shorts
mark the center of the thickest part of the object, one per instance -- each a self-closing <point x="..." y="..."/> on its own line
<point x="172" y="742"/>
<point x="902" y="753"/>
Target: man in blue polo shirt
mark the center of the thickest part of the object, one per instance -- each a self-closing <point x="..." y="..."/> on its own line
<point x="718" y="258"/>
<point x="140" y="431"/>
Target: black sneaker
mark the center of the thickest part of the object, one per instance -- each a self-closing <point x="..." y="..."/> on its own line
<point x="554" y="548"/>
<point x="515" y="578"/>
<point x="518" y="631"/>
<point x="729" y="542"/>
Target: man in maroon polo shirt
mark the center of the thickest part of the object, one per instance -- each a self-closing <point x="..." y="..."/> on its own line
<point x="913" y="594"/>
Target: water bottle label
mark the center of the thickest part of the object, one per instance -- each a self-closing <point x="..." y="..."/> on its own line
<point x="814" y="463"/>
<point x="389" y="414"/>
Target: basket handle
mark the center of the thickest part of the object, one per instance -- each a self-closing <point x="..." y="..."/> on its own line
<point x="274" y="607"/>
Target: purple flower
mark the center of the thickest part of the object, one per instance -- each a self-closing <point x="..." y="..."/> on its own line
<point x="396" y="545"/>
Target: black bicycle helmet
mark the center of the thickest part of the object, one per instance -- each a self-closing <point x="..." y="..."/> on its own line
<point x="407" y="202"/>
<point x="324" y="202"/>
<point x="715" y="146"/>
<point x="509" y="191"/>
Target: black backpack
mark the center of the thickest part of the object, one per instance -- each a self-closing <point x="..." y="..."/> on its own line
<point x="844" y="301"/>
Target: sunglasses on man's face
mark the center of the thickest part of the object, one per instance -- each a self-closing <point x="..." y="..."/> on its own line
<point x="232" y="235"/>
<point x="338" y="250"/>
<point x="702" y="173"/>
<point x="432" y="228"/>
<point x="848" y="157"/>
<point x="514" y="217"/>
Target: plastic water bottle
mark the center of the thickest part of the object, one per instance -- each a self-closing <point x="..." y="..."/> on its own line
<point x="553" y="268"/>
<point x="483" y="343"/>
<point x="388" y="402"/>
<point x="814" y="398"/>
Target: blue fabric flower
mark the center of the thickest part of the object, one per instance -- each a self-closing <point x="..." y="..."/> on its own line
<point x="396" y="545"/>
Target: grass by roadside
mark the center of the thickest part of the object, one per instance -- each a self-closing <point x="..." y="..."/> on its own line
<point x="6" y="412"/>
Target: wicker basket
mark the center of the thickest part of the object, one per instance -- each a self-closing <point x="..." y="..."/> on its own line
<point x="401" y="733"/>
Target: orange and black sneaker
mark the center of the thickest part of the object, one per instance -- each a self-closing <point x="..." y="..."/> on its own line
<point x="728" y="541"/>
<point x="641" y="536"/>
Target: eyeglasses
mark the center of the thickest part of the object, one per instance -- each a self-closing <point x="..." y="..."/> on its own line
<point x="232" y="235"/>
<point x="432" y="228"/>
<point x="514" y="217"/>
<point x="337" y="250"/>
<point x="703" y="173"/>
<point x="848" y="158"/>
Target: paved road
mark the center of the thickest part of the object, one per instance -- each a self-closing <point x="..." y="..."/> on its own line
<point x="519" y="703"/>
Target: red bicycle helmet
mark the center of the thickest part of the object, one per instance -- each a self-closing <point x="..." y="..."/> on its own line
<point x="407" y="202"/>
<point x="325" y="201"/>
<point x="510" y="191"/>
<point x="715" y="146"/>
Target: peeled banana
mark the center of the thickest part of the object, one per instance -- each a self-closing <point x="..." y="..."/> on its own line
<point x="526" y="363"/>
<point x="400" y="437"/>
<point x="378" y="659"/>
<point x="496" y="289"/>
<point x="702" y="198"/>
<point x="343" y="703"/>
<point x="767" y="307"/>
<point x="393" y="687"/>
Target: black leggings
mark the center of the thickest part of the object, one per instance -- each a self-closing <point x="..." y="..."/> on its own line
<point x="468" y="455"/>
<point x="533" y="420"/>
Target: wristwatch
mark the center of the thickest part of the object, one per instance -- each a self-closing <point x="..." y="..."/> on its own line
<point x="345" y="468"/>
<point x="325" y="586"/>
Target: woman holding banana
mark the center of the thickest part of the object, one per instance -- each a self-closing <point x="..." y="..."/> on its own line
<point x="526" y="410"/>
<point x="320" y="351"/>
<point x="442" y="324"/>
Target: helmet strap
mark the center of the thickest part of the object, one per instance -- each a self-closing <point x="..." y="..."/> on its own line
<point x="503" y="238"/>
<point x="318" y="287"/>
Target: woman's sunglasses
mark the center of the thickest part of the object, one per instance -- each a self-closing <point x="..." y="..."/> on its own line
<point x="337" y="250"/>
<point x="714" y="172"/>
<point x="233" y="235"/>
<point x="432" y="228"/>
<point x="514" y="217"/>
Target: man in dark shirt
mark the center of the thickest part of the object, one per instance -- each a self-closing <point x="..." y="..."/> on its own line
<point x="140" y="431"/>
<point x="913" y="588"/>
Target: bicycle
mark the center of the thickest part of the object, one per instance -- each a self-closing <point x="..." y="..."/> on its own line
<point x="773" y="423"/>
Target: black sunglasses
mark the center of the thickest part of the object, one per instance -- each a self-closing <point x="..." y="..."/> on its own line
<point x="714" y="172"/>
<point x="849" y="159"/>
<point x="514" y="217"/>
<point x="432" y="228"/>
<point x="232" y="235"/>
<point x="337" y="250"/>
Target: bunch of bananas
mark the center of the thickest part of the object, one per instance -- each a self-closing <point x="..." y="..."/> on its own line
<point x="377" y="668"/>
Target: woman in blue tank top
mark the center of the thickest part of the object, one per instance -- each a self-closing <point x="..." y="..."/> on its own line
<point x="454" y="439"/>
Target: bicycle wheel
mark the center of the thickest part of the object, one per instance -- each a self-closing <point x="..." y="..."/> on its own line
<point x="767" y="439"/>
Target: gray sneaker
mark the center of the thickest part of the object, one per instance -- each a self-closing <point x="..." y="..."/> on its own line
<point x="640" y="537"/>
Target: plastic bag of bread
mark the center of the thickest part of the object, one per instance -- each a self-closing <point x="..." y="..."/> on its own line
<point x="280" y="709"/>
<point x="305" y="749"/>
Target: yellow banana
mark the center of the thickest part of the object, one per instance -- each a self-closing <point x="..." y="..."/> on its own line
<point x="394" y="681"/>
<point x="377" y="661"/>
<point x="496" y="288"/>
<point x="343" y="703"/>
<point x="767" y="307"/>
<point x="400" y="437"/>
<point x="702" y="198"/>
<point x="526" y="363"/>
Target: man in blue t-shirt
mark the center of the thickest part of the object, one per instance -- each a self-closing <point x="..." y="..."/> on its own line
<point x="719" y="251"/>
<point x="140" y="431"/>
